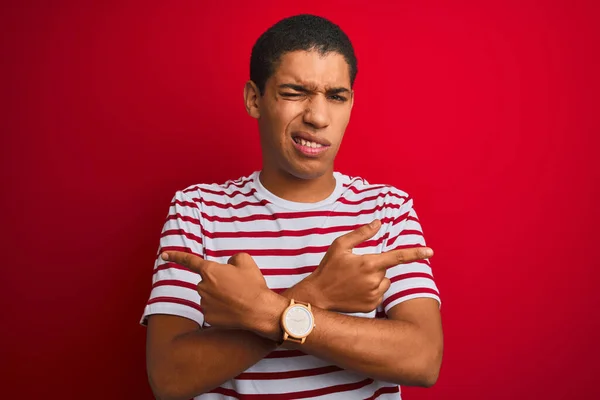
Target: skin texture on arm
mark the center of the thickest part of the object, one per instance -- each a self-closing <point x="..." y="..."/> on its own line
<point x="184" y="360"/>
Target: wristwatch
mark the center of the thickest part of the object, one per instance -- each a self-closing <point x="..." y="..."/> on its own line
<point x="297" y="322"/>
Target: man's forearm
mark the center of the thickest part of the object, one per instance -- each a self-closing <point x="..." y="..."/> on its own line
<point x="393" y="350"/>
<point x="200" y="361"/>
<point x="389" y="350"/>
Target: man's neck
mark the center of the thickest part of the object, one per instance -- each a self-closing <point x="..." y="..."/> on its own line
<point x="291" y="188"/>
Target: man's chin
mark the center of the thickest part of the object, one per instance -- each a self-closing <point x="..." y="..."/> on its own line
<point x="308" y="172"/>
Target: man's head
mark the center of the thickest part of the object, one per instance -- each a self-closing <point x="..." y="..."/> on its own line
<point x="302" y="71"/>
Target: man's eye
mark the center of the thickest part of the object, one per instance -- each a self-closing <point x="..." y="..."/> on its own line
<point x="291" y="94"/>
<point x="336" y="97"/>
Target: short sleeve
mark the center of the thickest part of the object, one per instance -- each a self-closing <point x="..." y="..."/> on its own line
<point x="410" y="280"/>
<point x="173" y="286"/>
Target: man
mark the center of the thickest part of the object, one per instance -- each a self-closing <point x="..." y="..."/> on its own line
<point x="295" y="281"/>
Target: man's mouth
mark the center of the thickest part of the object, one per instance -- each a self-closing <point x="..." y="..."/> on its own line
<point x="309" y="148"/>
<point x="307" y="143"/>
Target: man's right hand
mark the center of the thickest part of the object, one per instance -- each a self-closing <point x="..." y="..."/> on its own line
<point x="351" y="283"/>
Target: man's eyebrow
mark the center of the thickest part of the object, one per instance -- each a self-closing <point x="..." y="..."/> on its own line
<point x="337" y="90"/>
<point x="304" y="89"/>
<point x="298" y="88"/>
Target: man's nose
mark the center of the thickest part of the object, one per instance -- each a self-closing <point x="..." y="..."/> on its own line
<point x="317" y="113"/>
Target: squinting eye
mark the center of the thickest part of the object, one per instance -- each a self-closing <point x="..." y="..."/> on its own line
<point x="337" y="98"/>
<point x="291" y="94"/>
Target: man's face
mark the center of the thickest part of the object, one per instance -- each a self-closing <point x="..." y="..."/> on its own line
<point x="303" y="113"/>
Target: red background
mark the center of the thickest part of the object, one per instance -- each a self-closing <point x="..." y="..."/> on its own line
<point x="486" y="114"/>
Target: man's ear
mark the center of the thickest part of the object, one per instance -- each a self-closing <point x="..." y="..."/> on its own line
<point x="252" y="99"/>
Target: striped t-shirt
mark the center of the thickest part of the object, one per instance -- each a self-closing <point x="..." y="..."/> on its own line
<point x="287" y="240"/>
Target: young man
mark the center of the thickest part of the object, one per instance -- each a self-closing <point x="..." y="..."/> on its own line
<point x="295" y="281"/>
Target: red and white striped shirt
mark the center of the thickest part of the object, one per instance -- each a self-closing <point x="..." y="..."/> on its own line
<point x="287" y="240"/>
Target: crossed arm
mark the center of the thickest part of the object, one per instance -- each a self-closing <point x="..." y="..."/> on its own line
<point x="184" y="361"/>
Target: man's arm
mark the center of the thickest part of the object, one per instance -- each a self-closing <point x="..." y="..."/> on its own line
<point x="184" y="360"/>
<point x="405" y="349"/>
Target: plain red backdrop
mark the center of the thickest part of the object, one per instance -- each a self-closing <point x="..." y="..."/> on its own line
<point x="487" y="114"/>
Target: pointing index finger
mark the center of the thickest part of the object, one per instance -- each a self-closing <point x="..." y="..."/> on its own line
<point x="401" y="256"/>
<point x="190" y="261"/>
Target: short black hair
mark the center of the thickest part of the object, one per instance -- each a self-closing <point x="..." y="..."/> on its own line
<point x="300" y="32"/>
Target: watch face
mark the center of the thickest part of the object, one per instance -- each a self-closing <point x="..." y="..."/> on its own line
<point x="298" y="321"/>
